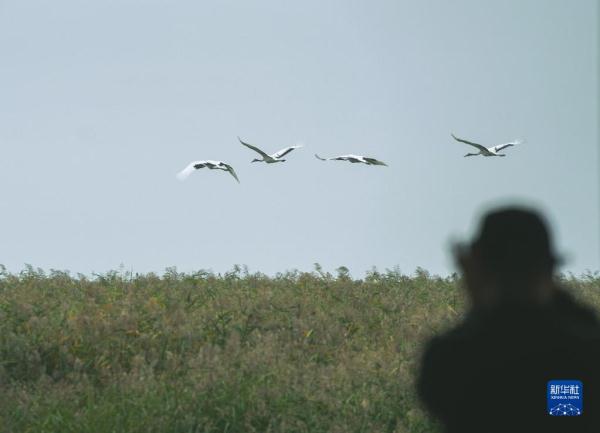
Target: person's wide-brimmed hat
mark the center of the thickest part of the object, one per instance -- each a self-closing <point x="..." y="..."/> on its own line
<point x="513" y="239"/>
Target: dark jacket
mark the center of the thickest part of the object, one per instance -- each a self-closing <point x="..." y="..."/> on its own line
<point x="490" y="373"/>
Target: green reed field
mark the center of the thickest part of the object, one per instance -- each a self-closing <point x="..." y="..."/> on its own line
<point x="239" y="352"/>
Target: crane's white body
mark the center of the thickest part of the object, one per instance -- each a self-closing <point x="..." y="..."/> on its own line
<point x="353" y="159"/>
<point x="488" y="151"/>
<point x="274" y="157"/>
<point x="212" y="165"/>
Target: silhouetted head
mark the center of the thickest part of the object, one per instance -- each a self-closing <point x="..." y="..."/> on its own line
<point x="511" y="256"/>
<point x="256" y="160"/>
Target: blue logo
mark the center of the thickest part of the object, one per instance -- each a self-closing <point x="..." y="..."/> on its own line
<point x="564" y="397"/>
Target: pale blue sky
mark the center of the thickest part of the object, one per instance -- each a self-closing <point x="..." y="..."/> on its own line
<point x="103" y="102"/>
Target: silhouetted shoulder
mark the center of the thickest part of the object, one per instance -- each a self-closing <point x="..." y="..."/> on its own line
<point x="508" y="354"/>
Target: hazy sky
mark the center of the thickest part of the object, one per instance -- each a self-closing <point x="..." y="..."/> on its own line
<point x="103" y="102"/>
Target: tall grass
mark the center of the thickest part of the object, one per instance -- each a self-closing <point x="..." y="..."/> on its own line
<point x="239" y="352"/>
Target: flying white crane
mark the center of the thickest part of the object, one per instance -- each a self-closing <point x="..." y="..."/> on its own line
<point x="212" y="165"/>
<point x="270" y="159"/>
<point x="354" y="159"/>
<point x="488" y="151"/>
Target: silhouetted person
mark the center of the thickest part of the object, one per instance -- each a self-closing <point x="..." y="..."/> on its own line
<point x="490" y="373"/>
